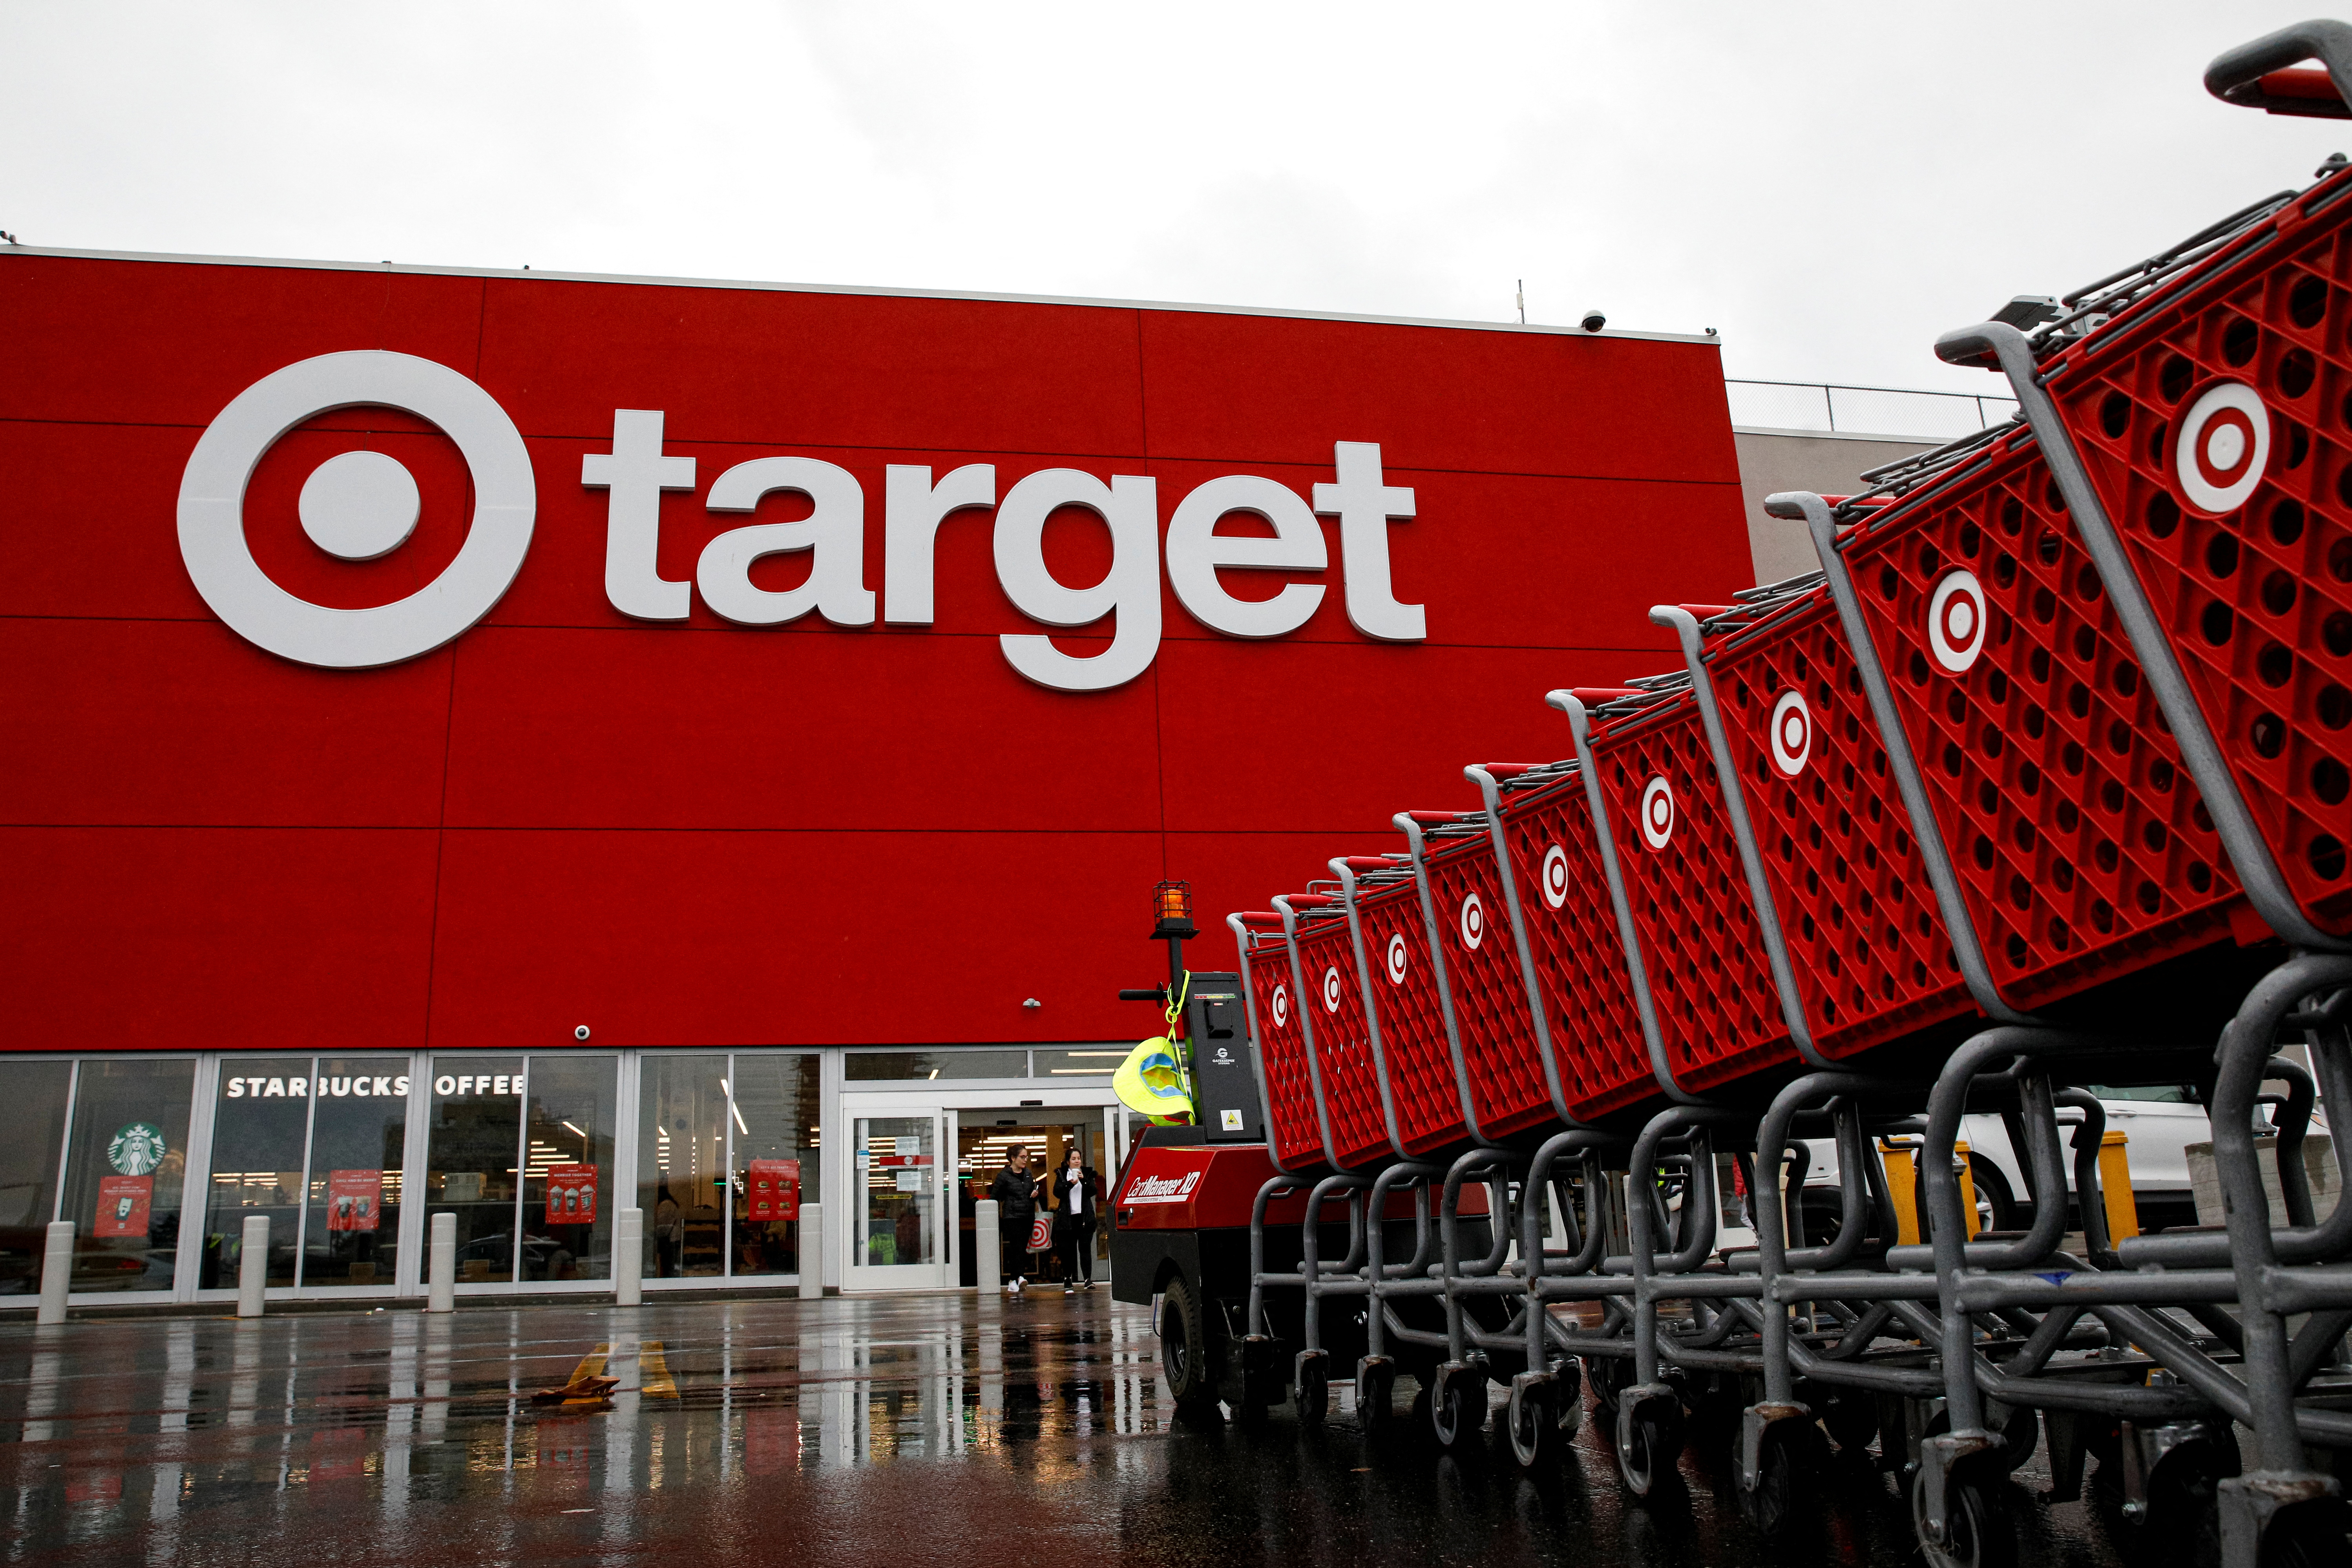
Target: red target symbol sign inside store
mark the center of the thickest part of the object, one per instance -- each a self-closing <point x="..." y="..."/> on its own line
<point x="2223" y="448"/>
<point x="1792" y="735"/>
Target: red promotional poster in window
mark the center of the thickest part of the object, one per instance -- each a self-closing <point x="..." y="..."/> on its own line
<point x="775" y="1190"/>
<point x="354" y="1199"/>
<point x="572" y="1194"/>
<point x="122" y="1206"/>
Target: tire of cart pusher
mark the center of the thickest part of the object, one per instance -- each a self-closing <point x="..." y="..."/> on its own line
<point x="1185" y="1357"/>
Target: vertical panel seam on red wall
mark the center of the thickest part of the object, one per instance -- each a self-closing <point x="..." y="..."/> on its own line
<point x="449" y="728"/>
<point x="1159" y="717"/>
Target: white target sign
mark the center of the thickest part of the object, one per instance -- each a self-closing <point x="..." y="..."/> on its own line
<point x="1397" y="959"/>
<point x="1474" y="921"/>
<point x="1791" y="733"/>
<point x="2223" y="445"/>
<point x="1282" y="1006"/>
<point x="1555" y="876"/>
<point x="1956" y="621"/>
<point x="1332" y="989"/>
<point x="1657" y="813"/>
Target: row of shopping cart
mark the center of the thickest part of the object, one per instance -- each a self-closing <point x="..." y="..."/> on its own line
<point x="2041" y="782"/>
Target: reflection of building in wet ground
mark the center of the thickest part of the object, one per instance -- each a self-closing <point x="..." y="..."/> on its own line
<point x="910" y="1428"/>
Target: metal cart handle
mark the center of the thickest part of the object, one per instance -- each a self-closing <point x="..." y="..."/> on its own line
<point x="2243" y="75"/>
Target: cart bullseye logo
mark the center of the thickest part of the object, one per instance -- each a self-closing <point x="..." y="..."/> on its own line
<point x="357" y="506"/>
<point x="1657" y="813"/>
<point x="2223" y="445"/>
<point x="1474" y="921"/>
<point x="1397" y="959"/>
<point x="1792" y="735"/>
<point x="1332" y="990"/>
<point x="1282" y="1006"/>
<point x="1555" y="876"/>
<point x="1956" y="621"/>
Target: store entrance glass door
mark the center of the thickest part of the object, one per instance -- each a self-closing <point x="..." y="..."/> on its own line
<point x="897" y="1183"/>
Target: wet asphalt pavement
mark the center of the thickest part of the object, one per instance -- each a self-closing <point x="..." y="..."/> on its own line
<point x="889" y="1431"/>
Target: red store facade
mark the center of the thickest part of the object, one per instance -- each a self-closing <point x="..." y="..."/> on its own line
<point x="526" y="744"/>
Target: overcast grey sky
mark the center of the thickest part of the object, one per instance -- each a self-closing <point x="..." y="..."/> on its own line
<point x="1830" y="185"/>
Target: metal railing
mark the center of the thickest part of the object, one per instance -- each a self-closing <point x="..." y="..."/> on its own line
<point x="1864" y="410"/>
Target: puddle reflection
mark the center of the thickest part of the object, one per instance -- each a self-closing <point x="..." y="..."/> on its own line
<point x="812" y="1432"/>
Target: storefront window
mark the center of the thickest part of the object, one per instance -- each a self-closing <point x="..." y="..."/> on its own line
<point x="32" y="1126"/>
<point x="567" y="1197"/>
<point x="775" y="1163"/>
<point x="868" y="1066"/>
<point x="1081" y="1061"/>
<point x="259" y="1129"/>
<point x="681" y="1163"/>
<point x="474" y="1136"/>
<point x="125" y="1163"/>
<point x="359" y="1137"/>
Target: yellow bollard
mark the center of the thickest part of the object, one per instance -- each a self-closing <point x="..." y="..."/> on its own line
<point x="2116" y="1188"/>
<point x="1902" y="1186"/>
<point x="1967" y="1172"/>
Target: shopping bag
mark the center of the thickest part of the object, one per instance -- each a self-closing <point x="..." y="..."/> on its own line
<point x="1041" y="1234"/>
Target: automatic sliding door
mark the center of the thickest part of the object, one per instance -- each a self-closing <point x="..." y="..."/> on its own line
<point x="896" y="1240"/>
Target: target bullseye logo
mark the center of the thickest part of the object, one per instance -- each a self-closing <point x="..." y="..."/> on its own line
<point x="1956" y="621"/>
<point x="1555" y="876"/>
<point x="1657" y="813"/>
<point x="1332" y="989"/>
<point x="1282" y="1006"/>
<point x="1791" y="733"/>
<point x="356" y="506"/>
<point x="2223" y="448"/>
<point x="1474" y="921"/>
<point x="1397" y="959"/>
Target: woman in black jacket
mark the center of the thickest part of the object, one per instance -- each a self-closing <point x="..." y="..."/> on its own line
<point x="1016" y="1191"/>
<point x="1078" y="1193"/>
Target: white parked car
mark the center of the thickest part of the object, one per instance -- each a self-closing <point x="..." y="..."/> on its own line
<point x="2158" y="1125"/>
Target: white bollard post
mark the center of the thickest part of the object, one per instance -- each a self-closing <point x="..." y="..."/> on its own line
<point x="57" y="1271"/>
<point x="628" y="1258"/>
<point x="441" y="1295"/>
<point x="988" y="1245"/>
<point x="252" y="1265"/>
<point x="812" y="1251"/>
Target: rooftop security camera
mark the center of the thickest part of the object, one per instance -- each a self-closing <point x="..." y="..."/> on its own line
<point x="1593" y="321"/>
<point x="581" y="1033"/>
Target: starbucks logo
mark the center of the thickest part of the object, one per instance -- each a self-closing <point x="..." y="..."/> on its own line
<point x="137" y="1150"/>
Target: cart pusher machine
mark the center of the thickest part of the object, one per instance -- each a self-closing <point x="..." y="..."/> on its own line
<point x="2041" y="783"/>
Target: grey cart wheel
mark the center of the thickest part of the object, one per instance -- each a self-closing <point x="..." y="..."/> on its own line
<point x="1310" y="1391"/>
<point x="1852" y="1417"/>
<point x="1451" y="1412"/>
<point x="1980" y="1528"/>
<point x="1790" y="1453"/>
<point x="1649" y="1441"/>
<point x="1533" y="1421"/>
<point x="1376" y="1393"/>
